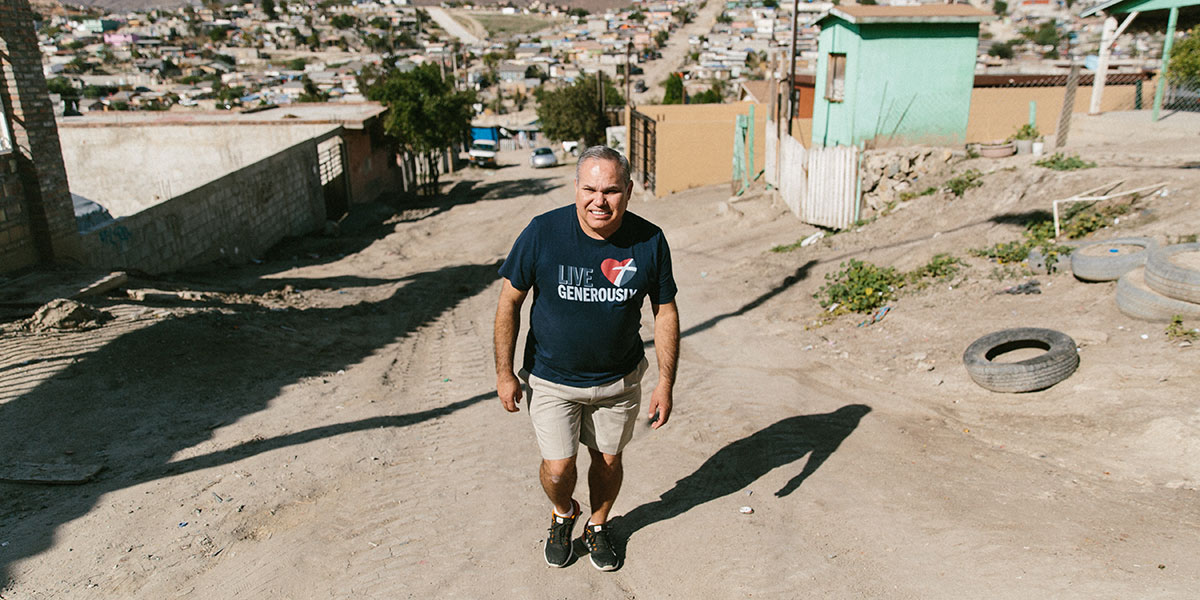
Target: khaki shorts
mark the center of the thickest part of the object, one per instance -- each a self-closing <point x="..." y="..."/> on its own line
<point x="602" y="416"/>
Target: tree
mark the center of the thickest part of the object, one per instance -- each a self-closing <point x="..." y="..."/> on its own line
<point x="425" y="114"/>
<point x="1000" y="7"/>
<point x="1185" y="59"/>
<point x="312" y="93"/>
<point x="268" y="7"/>
<point x="573" y="112"/>
<point x="1045" y="35"/>
<point x="343" y="21"/>
<point x="1001" y="50"/>
<point x="674" y="89"/>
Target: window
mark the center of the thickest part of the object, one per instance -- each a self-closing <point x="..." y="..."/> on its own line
<point x="5" y="133"/>
<point x="835" y="78"/>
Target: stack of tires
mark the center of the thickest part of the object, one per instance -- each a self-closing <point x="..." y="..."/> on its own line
<point x="1168" y="285"/>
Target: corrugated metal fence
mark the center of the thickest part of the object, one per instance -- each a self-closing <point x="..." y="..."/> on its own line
<point x="819" y="185"/>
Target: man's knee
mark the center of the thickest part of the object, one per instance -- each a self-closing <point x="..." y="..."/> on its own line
<point x="556" y="470"/>
<point x="608" y="461"/>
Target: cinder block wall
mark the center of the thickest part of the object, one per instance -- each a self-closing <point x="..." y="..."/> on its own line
<point x="694" y="143"/>
<point x="237" y="217"/>
<point x="37" y="219"/>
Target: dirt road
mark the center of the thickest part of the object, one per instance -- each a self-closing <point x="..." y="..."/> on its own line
<point x="323" y="425"/>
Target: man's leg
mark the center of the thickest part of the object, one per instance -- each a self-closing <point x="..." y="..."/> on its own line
<point x="604" y="483"/>
<point x="558" y="480"/>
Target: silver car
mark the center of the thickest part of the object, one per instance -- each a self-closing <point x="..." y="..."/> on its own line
<point x="543" y="157"/>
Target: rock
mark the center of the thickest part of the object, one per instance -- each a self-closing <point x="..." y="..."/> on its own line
<point x="917" y="356"/>
<point x="724" y="208"/>
<point x="1088" y="337"/>
<point x="61" y="313"/>
<point x="925" y="365"/>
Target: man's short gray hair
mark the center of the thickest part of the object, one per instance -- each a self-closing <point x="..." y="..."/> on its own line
<point x="605" y="153"/>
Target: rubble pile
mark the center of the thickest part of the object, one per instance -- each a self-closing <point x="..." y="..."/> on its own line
<point x="886" y="174"/>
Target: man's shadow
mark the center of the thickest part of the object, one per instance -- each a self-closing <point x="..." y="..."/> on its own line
<point x="742" y="462"/>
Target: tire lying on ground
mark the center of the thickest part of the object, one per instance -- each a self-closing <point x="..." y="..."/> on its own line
<point x="1136" y="299"/>
<point x="1095" y="261"/>
<point x="1040" y="372"/>
<point x="1174" y="271"/>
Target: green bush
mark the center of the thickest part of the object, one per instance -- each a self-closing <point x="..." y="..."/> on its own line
<point x="859" y="286"/>
<point x="1082" y="219"/>
<point x="1061" y="162"/>
<point x="941" y="267"/>
<point x="1039" y="232"/>
<point x="1026" y="132"/>
<point x="1004" y="252"/>
<point x="959" y="185"/>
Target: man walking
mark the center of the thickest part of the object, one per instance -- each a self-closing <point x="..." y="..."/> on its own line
<point x="590" y="266"/>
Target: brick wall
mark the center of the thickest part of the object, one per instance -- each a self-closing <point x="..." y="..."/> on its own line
<point x="237" y="217"/>
<point x="16" y="244"/>
<point x="43" y="225"/>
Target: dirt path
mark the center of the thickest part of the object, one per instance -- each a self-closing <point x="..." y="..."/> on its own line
<point x="324" y="425"/>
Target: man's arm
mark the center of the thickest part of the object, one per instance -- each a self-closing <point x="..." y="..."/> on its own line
<point x="666" y="348"/>
<point x="508" y="323"/>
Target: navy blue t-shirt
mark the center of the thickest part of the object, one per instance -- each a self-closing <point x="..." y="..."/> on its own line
<point x="587" y="295"/>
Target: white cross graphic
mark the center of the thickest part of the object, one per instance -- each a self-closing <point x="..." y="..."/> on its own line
<point x="623" y="270"/>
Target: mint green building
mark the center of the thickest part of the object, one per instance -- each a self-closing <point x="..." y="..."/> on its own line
<point x="895" y="75"/>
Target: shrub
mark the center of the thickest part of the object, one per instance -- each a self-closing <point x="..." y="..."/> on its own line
<point x="1061" y="162"/>
<point x="1083" y="219"/>
<point x="1038" y="234"/>
<point x="859" y="286"/>
<point x="941" y="267"/>
<point x="1026" y="132"/>
<point x="969" y="179"/>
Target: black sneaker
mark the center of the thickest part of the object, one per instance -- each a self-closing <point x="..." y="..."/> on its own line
<point x="558" y="544"/>
<point x="603" y="557"/>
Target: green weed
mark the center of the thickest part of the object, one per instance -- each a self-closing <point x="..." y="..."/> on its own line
<point x="859" y="287"/>
<point x="959" y="185"/>
<point x="1061" y="162"/>
<point x="1178" y="332"/>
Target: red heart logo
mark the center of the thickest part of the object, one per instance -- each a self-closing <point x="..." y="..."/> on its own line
<point x="618" y="271"/>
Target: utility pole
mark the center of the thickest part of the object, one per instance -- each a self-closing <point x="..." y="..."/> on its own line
<point x="773" y="92"/>
<point x="628" y="100"/>
<point x="791" y="104"/>
<point x="600" y="89"/>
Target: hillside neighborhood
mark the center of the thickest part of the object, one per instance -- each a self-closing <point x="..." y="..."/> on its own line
<point x="938" y="272"/>
<point x="232" y="55"/>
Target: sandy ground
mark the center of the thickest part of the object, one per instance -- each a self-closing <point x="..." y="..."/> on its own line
<point x="324" y="425"/>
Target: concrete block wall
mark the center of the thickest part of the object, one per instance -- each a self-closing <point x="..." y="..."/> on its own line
<point x="237" y="218"/>
<point x="39" y="219"/>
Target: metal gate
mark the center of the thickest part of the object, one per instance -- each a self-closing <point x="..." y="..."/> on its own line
<point x="641" y="149"/>
<point x="831" y="194"/>
<point x="336" y="190"/>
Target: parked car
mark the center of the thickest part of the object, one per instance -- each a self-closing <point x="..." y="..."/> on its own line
<point x="543" y="157"/>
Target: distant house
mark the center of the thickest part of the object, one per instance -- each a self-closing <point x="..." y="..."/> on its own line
<point x="875" y="82"/>
<point x="511" y="72"/>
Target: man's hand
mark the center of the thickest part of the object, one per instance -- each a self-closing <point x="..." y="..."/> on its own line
<point x="508" y="321"/>
<point x="509" y="390"/>
<point x="666" y="349"/>
<point x="660" y="406"/>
